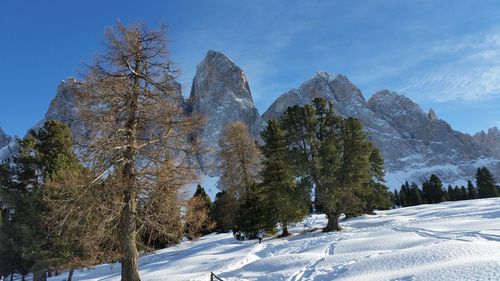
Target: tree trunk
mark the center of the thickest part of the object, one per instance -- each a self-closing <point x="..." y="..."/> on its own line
<point x="284" y="232"/>
<point x="70" y="275"/>
<point x="130" y="268"/>
<point x="39" y="276"/>
<point x="11" y="276"/>
<point x="333" y="223"/>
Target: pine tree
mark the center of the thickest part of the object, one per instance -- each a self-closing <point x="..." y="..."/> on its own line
<point x="485" y="183"/>
<point x="471" y="190"/>
<point x="43" y="157"/>
<point x="416" y="194"/>
<point x="463" y="193"/>
<point x="433" y="190"/>
<point x="285" y="203"/>
<point x="397" y="200"/>
<point x="403" y="199"/>
<point x="377" y="195"/>
<point x="224" y="211"/>
<point x="450" y="194"/>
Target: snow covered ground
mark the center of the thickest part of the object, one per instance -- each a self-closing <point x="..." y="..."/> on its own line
<point x="447" y="241"/>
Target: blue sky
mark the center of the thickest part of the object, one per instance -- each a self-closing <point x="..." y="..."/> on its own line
<point x="443" y="54"/>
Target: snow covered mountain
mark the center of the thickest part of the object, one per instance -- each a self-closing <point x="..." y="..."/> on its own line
<point x="413" y="143"/>
<point x="491" y="140"/>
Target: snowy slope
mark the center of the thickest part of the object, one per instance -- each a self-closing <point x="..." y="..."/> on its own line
<point x="447" y="241"/>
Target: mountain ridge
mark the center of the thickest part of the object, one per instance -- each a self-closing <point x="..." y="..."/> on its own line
<point x="413" y="143"/>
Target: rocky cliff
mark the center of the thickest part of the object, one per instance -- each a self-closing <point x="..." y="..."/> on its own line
<point x="4" y="138"/>
<point x="490" y="140"/>
<point x="221" y="94"/>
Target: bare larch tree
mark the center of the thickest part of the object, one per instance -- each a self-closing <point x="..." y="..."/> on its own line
<point x="240" y="159"/>
<point x="141" y="141"/>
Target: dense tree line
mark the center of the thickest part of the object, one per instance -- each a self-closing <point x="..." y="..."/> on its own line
<point x="433" y="191"/>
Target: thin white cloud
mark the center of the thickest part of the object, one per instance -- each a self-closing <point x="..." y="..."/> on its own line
<point x="471" y="71"/>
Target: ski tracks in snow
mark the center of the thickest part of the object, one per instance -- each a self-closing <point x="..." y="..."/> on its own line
<point x="310" y="269"/>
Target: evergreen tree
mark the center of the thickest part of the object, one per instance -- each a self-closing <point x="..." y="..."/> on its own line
<point x="471" y="190"/>
<point x="450" y="194"/>
<point x="224" y="212"/>
<point x="397" y="200"/>
<point x="462" y="193"/>
<point x="285" y="202"/>
<point x="43" y="157"/>
<point x="251" y="214"/>
<point x="485" y="183"/>
<point x="333" y="154"/>
<point x="377" y="195"/>
<point x="433" y="190"/>
<point x="416" y="194"/>
<point x="393" y="198"/>
<point x="403" y="199"/>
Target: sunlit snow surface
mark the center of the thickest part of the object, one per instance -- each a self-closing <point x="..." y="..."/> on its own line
<point x="447" y="241"/>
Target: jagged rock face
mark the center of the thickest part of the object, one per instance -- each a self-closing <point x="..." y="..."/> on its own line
<point x="491" y="140"/>
<point x="63" y="108"/>
<point x="413" y="143"/>
<point x="348" y="101"/>
<point x="220" y="93"/>
<point x="434" y="136"/>
<point x="4" y="138"/>
<point x="6" y="145"/>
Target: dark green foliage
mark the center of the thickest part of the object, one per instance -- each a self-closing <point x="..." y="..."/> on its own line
<point x="471" y="190"/>
<point x="377" y="196"/>
<point x="485" y="183"/>
<point x="251" y="215"/>
<point x="397" y="201"/>
<point x="433" y="190"/>
<point x="284" y="201"/>
<point x="416" y="195"/>
<point x="225" y="206"/>
<point x="43" y="156"/>
<point x="334" y="155"/>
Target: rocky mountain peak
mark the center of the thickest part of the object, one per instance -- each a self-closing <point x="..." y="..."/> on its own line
<point x="4" y="138"/>
<point x="334" y="88"/>
<point x="385" y="99"/>
<point x="220" y="93"/>
<point x="432" y="115"/>
<point x="63" y="107"/>
<point x="491" y="140"/>
<point x="219" y="69"/>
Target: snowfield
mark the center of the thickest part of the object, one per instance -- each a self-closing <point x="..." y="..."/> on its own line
<point x="447" y="241"/>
